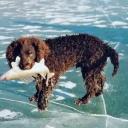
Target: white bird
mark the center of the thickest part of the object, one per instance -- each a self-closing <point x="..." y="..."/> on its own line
<point x="15" y="73"/>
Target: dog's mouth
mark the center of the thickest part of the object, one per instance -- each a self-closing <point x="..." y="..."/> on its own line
<point x="26" y="67"/>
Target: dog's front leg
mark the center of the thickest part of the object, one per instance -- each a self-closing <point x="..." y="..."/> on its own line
<point x="44" y="94"/>
<point x="38" y="85"/>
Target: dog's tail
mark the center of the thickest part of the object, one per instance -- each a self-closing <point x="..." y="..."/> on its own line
<point x="114" y="59"/>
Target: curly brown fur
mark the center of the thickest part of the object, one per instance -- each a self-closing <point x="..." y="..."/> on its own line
<point x="62" y="53"/>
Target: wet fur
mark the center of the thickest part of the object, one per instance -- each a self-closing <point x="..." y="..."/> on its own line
<point x="83" y="51"/>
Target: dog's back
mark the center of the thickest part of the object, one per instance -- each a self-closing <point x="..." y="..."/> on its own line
<point x="81" y="50"/>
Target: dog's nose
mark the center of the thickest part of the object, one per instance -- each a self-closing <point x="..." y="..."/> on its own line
<point x="27" y="66"/>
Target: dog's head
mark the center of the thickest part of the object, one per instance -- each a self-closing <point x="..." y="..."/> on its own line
<point x="29" y="49"/>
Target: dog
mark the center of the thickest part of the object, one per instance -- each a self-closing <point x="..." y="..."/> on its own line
<point x="83" y="51"/>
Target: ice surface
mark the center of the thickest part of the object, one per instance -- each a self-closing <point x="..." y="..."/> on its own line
<point x="67" y="84"/>
<point x="107" y="19"/>
<point x="7" y="114"/>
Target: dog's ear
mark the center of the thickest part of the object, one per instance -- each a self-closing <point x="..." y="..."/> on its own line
<point x="13" y="50"/>
<point x="41" y="48"/>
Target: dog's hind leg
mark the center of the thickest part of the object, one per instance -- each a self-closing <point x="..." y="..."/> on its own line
<point x="100" y="80"/>
<point x="94" y="81"/>
<point x="90" y="90"/>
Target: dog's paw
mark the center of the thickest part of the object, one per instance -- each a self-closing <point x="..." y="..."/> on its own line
<point x="32" y="99"/>
<point x="81" y="101"/>
<point x="41" y="107"/>
<point x="42" y="110"/>
<point x="42" y="104"/>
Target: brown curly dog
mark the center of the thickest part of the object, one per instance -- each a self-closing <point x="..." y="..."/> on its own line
<point x="62" y="53"/>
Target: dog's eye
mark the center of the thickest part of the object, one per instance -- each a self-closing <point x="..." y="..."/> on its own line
<point x="29" y="52"/>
